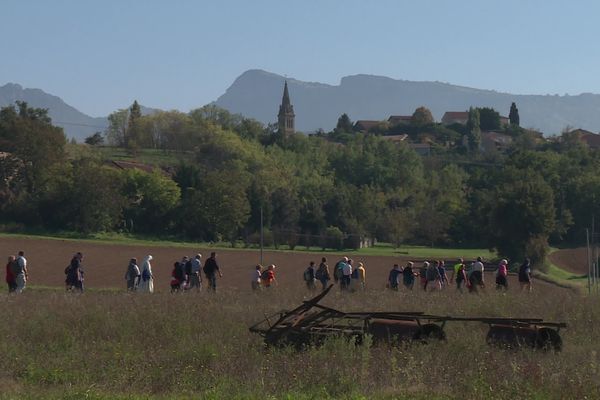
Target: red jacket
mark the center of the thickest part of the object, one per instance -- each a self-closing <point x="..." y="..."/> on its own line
<point x="10" y="278"/>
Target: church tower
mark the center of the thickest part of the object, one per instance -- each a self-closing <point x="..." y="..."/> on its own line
<point x="285" y="118"/>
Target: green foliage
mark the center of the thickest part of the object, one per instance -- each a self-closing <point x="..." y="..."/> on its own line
<point x="489" y="119"/>
<point x="422" y="116"/>
<point x="513" y="115"/>
<point x="96" y="139"/>
<point x="474" y="130"/>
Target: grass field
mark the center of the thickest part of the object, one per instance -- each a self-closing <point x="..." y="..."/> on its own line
<point x="103" y="345"/>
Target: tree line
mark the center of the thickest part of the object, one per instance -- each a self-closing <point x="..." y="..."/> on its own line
<point x="321" y="190"/>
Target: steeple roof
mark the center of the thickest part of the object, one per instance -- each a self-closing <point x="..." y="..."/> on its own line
<point x="286" y="96"/>
<point x="286" y="107"/>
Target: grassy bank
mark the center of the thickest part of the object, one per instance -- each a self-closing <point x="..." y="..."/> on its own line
<point x="116" y="345"/>
<point x="381" y="249"/>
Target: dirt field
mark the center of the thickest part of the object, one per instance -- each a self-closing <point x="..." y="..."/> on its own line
<point x="105" y="264"/>
<point x="574" y="260"/>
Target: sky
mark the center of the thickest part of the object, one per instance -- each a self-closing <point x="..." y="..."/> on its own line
<point x="99" y="56"/>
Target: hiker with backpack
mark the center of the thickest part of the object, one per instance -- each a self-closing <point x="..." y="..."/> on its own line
<point x="20" y="272"/>
<point x="408" y="276"/>
<point x="476" y="279"/>
<point x="432" y="274"/>
<point x="146" y="284"/>
<point x="309" y="276"/>
<point x="187" y="271"/>
<point x="443" y="275"/>
<point x="525" y="275"/>
<point x="10" y="277"/>
<point x="459" y="275"/>
<point x="358" y="277"/>
<point x="394" y="278"/>
<point x="501" y="275"/>
<point x="337" y="270"/>
<point x="132" y="275"/>
<point x="210" y="269"/>
<point x="322" y="274"/>
<point x="268" y="276"/>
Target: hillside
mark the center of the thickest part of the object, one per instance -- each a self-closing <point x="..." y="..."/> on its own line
<point x="257" y="94"/>
<point x="75" y="123"/>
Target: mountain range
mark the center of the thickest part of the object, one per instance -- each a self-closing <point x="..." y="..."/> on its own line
<point x="257" y="94"/>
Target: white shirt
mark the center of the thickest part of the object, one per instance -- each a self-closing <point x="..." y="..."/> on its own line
<point x="478" y="266"/>
<point x="22" y="262"/>
<point x="347" y="269"/>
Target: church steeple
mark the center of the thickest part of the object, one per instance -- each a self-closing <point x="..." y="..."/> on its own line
<point x="285" y="118"/>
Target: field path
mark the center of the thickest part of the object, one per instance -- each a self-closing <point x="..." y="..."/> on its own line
<point x="572" y="260"/>
<point x="105" y="264"/>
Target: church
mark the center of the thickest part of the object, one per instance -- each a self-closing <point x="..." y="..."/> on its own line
<point x="285" y="118"/>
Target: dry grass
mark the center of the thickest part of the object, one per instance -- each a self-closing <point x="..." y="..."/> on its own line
<point x="117" y="345"/>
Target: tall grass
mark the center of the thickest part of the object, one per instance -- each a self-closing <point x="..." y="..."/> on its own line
<point x="118" y="345"/>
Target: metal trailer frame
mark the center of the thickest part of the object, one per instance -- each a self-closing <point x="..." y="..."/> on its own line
<point x="312" y="323"/>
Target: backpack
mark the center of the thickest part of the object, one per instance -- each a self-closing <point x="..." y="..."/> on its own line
<point x="307" y="275"/>
<point x="264" y="275"/>
<point x="145" y="275"/>
<point x="319" y="274"/>
<point x="188" y="268"/>
<point x="355" y="274"/>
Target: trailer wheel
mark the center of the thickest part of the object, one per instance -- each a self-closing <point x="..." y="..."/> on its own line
<point x="548" y="339"/>
<point x="430" y="332"/>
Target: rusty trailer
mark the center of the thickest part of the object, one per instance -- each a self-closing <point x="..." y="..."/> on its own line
<point x="311" y="323"/>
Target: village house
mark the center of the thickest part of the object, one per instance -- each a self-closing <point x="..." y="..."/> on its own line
<point x="395" y="120"/>
<point x="364" y="125"/>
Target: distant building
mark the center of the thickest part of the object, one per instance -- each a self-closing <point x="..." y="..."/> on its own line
<point x="455" y="117"/>
<point x="422" y="149"/>
<point x="494" y="141"/>
<point x="591" y="139"/>
<point x="286" y="116"/>
<point x="364" y="125"/>
<point x="504" y="121"/>
<point x="399" y="120"/>
<point x="396" y="138"/>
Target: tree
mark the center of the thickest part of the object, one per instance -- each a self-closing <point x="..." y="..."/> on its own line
<point x="344" y="124"/>
<point x="422" y="116"/>
<point x="133" y="135"/>
<point x="513" y="116"/>
<point x="473" y="129"/>
<point x="116" y="132"/>
<point x="489" y="119"/>
<point x="150" y="199"/>
<point x="522" y="214"/>
<point x="95" y="140"/>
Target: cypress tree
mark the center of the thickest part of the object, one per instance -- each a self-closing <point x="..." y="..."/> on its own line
<point x="513" y="116"/>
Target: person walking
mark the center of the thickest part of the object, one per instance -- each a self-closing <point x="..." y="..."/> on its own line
<point x="443" y="275"/>
<point x="309" y="276"/>
<point x="187" y="271"/>
<point x="358" y="277"/>
<point x="255" y="281"/>
<point x="10" y="276"/>
<point x="394" y="277"/>
<point x="322" y="274"/>
<point x="525" y="275"/>
<point x="459" y="274"/>
<point x="20" y="272"/>
<point x="132" y="275"/>
<point x="74" y="272"/>
<point x="211" y="269"/>
<point x="268" y="277"/>
<point x="433" y="277"/>
<point x="146" y="284"/>
<point x="423" y="275"/>
<point x="476" y="278"/>
<point x="175" y="278"/>
<point x="346" y="274"/>
<point x="501" y="275"/>
<point x="194" y="279"/>
<point x="408" y="276"/>
<point x="338" y="270"/>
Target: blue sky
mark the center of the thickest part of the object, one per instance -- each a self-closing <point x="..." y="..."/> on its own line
<point x="101" y="55"/>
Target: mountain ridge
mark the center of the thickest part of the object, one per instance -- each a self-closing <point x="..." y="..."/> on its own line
<point x="256" y="93"/>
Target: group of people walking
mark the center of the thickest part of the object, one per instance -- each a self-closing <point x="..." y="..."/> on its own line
<point x="432" y="276"/>
<point x="187" y="275"/>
